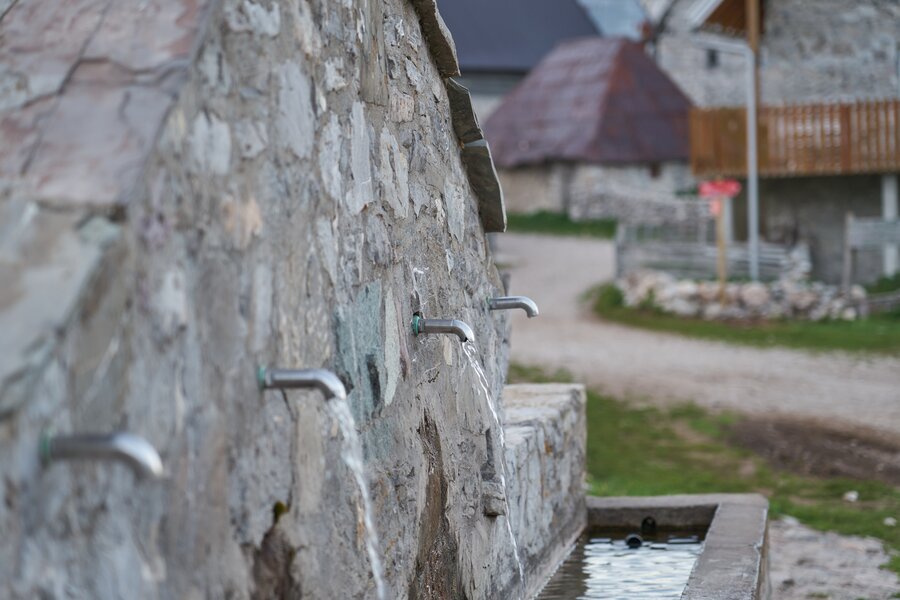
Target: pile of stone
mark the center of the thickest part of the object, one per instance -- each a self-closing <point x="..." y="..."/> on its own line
<point x="786" y="298"/>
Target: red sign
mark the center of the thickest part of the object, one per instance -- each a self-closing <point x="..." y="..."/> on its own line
<point x="727" y="188"/>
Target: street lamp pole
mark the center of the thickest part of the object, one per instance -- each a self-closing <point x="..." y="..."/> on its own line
<point x="749" y="55"/>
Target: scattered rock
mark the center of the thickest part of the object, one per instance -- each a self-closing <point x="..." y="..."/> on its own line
<point x="786" y="298"/>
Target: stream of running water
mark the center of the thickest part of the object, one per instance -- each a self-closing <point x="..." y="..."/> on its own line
<point x="353" y="458"/>
<point x="471" y="353"/>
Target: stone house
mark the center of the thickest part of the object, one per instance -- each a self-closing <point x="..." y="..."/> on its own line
<point x="192" y="189"/>
<point x="823" y="67"/>
<point x="595" y="130"/>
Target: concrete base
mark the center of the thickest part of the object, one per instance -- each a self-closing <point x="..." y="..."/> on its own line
<point x="546" y="439"/>
<point x="734" y="561"/>
<point x="545" y="451"/>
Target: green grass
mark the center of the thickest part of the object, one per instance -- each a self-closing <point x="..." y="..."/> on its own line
<point x="885" y="284"/>
<point x="647" y="451"/>
<point x="552" y="223"/>
<point x="878" y="333"/>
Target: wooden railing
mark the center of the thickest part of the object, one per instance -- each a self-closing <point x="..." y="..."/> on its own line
<point x="807" y="139"/>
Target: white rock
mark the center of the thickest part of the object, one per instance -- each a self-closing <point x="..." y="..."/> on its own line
<point x="210" y="144"/>
<point x="360" y="166"/>
<point x="334" y="78"/>
<point x="683" y="308"/>
<point x="755" y="295"/>
<point x="296" y="119"/>
<point x="851" y="496"/>
<point x="713" y="311"/>
<point x="686" y="289"/>
<point x="252" y="137"/>
<point x="330" y="157"/>
<point x="393" y="173"/>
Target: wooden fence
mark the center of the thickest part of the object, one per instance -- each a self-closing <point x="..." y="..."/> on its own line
<point x="806" y="139"/>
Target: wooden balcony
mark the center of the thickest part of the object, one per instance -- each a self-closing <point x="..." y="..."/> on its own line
<point x="799" y="140"/>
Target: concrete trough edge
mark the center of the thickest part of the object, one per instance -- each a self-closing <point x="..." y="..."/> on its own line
<point x="734" y="561"/>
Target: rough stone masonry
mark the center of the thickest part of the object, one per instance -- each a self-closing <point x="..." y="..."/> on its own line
<point x="193" y="188"/>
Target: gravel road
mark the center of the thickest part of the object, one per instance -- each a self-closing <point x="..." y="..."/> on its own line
<point x="627" y="362"/>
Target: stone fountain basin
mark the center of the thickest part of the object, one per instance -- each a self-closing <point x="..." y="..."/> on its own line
<point x="546" y="440"/>
<point x="734" y="562"/>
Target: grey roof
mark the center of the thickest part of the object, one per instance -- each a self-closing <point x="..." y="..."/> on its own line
<point x="594" y="100"/>
<point x="616" y="18"/>
<point x="511" y="35"/>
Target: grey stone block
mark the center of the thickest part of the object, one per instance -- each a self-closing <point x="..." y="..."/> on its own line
<point x="486" y="185"/>
<point x="440" y="42"/>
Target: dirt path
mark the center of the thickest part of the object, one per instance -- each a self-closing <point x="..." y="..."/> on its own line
<point x="812" y="564"/>
<point x="628" y="362"/>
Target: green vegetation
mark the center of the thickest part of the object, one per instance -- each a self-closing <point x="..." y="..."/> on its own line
<point x="885" y="284"/>
<point x="552" y="223"/>
<point x="643" y="451"/>
<point x="879" y="333"/>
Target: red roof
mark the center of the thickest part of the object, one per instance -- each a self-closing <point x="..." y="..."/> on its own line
<point x="592" y="100"/>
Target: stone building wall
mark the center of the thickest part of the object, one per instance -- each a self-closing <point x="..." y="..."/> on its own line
<point x="185" y="199"/>
<point x="536" y="188"/>
<point x="811" y="51"/>
<point x="814" y="209"/>
<point x="638" y="194"/>
<point x="630" y="193"/>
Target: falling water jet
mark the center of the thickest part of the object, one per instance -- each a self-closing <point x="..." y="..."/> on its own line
<point x="353" y="458"/>
<point x="471" y="353"/>
<point x="334" y="391"/>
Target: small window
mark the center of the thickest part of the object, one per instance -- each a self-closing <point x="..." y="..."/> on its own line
<point x="655" y="170"/>
<point x="712" y="58"/>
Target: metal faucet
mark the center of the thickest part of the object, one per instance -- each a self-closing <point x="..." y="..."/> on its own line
<point x="284" y="379"/>
<point x="128" y="448"/>
<point x="422" y="326"/>
<point x="508" y="302"/>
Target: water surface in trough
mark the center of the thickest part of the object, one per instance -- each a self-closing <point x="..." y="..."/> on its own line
<point x="601" y="565"/>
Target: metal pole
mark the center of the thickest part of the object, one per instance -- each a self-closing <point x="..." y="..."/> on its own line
<point x="722" y="260"/>
<point x="746" y="51"/>
<point x="752" y="168"/>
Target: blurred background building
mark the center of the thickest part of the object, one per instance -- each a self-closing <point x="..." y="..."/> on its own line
<point x="828" y="119"/>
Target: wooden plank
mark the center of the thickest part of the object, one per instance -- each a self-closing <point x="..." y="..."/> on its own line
<point x="796" y="140"/>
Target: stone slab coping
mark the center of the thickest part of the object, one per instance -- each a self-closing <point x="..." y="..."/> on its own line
<point x="734" y="561"/>
<point x="545" y="440"/>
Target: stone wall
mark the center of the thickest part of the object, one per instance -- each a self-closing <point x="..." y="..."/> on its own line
<point x="812" y="210"/>
<point x="185" y="199"/>
<point x="639" y="194"/>
<point x="628" y="193"/>
<point x="785" y="298"/>
<point x="536" y="188"/>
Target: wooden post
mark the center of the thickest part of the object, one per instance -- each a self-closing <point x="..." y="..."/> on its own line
<point x="846" y="278"/>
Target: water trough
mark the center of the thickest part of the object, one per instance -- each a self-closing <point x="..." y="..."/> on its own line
<point x="545" y="434"/>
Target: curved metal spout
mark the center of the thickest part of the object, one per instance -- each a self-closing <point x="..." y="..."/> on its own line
<point x="128" y="448"/>
<point x="455" y="326"/>
<point x="285" y="379"/>
<point x="508" y="302"/>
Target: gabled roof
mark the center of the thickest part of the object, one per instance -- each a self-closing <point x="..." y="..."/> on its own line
<point x="511" y="35"/>
<point x="591" y="100"/>
<point x="723" y="16"/>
